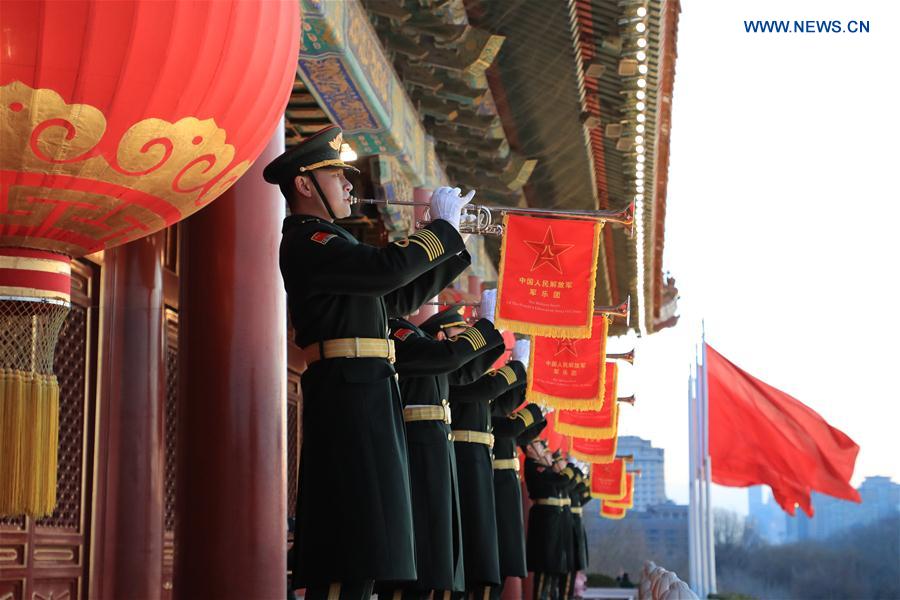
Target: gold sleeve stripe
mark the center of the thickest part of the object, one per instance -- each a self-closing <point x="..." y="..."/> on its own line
<point x="468" y="339"/>
<point x="422" y="245"/>
<point x="423" y="235"/>
<point x="439" y="246"/>
<point x="477" y="335"/>
<point x="434" y="249"/>
<point x="508" y="374"/>
<point x="568" y="472"/>
<point x="526" y="417"/>
<point x="476" y="343"/>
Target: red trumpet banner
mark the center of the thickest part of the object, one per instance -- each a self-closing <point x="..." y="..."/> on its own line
<point x="594" y="424"/>
<point x="611" y="512"/>
<point x="594" y="451"/>
<point x="548" y="272"/>
<point x="569" y="373"/>
<point x="608" y="480"/>
<point x="627" y="499"/>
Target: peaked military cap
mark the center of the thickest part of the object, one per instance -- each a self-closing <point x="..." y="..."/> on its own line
<point x="444" y="319"/>
<point x="320" y="150"/>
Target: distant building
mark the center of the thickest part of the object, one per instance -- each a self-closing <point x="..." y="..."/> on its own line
<point x="659" y="533"/>
<point x="650" y="487"/>
<point x="665" y="528"/>
<point x="765" y="518"/>
<point x="880" y="499"/>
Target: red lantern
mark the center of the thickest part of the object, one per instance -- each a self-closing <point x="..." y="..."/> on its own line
<point x="117" y="119"/>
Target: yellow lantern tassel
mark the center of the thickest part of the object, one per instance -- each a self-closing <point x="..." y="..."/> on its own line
<point x="29" y="442"/>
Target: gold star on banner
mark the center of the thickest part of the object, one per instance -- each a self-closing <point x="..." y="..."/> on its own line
<point x="565" y="345"/>
<point x="548" y="251"/>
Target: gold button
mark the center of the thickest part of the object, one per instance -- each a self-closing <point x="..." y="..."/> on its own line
<point x="450" y="436"/>
<point x="444" y="402"/>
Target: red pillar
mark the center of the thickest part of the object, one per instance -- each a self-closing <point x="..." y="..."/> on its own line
<point x="129" y="529"/>
<point x="230" y="533"/>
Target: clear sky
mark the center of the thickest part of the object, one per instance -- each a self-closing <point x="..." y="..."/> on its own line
<point x="782" y="225"/>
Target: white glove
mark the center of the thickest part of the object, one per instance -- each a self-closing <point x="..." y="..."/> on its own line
<point x="488" y="304"/>
<point x="446" y="204"/>
<point x="522" y="351"/>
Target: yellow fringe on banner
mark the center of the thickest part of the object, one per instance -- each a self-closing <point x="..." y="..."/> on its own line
<point x="593" y="458"/>
<point x="625" y="505"/>
<point x="595" y="403"/>
<point x="591" y="433"/>
<point x="29" y="442"/>
<point x="614" y="516"/>
<point x="600" y="459"/>
<point x="577" y="332"/>
<point x="561" y="403"/>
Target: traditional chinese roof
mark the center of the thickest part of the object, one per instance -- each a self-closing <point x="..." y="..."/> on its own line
<point x="442" y="60"/>
<point x="567" y="85"/>
<point x="531" y="102"/>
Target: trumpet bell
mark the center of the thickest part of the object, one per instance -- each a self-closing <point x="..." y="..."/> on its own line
<point x="626" y="356"/>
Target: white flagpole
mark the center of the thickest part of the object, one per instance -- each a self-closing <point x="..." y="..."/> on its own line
<point x="710" y="527"/>
<point x="701" y="485"/>
<point x="693" y="512"/>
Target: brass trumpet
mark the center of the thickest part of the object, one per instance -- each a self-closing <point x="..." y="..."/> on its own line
<point x="626" y="399"/>
<point x="477" y="219"/>
<point x="626" y="356"/>
<point x="620" y="310"/>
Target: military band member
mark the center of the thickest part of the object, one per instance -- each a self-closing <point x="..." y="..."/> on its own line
<point x="471" y="414"/>
<point x="423" y="365"/>
<point x="547" y="546"/>
<point x="354" y="528"/>
<point x="511" y="428"/>
<point x="566" y="578"/>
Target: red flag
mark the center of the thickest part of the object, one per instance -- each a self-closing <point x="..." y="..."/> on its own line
<point x="569" y="373"/>
<point x="626" y="500"/>
<point x="611" y="512"/>
<point x="594" y="424"/>
<point x="548" y="271"/>
<point x="608" y="480"/>
<point x="758" y="434"/>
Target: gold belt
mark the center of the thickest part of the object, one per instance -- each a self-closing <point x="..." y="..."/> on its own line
<point x="350" y="348"/>
<point x="475" y="437"/>
<point x="576" y="510"/>
<point x="554" y="501"/>
<point x="506" y="463"/>
<point x="427" y="413"/>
